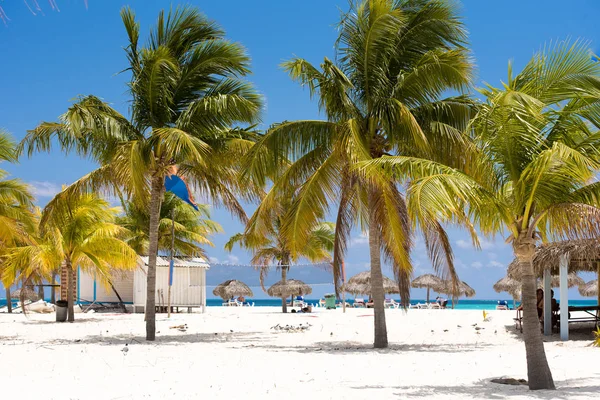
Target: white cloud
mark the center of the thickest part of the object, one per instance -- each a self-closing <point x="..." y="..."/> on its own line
<point x="463" y="244"/>
<point x="476" y="264"/>
<point x="44" y="188"/>
<point x="213" y="260"/>
<point x="485" y="245"/>
<point x="492" y="256"/>
<point x="231" y="259"/>
<point x="496" y="264"/>
<point x="360" y="240"/>
<point x="459" y="263"/>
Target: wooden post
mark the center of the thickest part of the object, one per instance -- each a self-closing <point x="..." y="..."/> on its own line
<point x="171" y="263"/>
<point x="343" y="284"/>
<point x="547" y="303"/>
<point x="8" y="300"/>
<point x="564" y="298"/>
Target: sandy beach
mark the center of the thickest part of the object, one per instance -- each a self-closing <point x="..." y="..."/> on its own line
<point x="235" y="353"/>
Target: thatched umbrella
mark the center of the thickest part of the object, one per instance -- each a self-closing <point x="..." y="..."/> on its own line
<point x="232" y="288"/>
<point x="511" y="286"/>
<point x="572" y="280"/>
<point x="428" y="281"/>
<point x="361" y="284"/>
<point x="463" y="290"/>
<point x="589" y="289"/>
<point x="291" y="287"/>
<point x="28" y="294"/>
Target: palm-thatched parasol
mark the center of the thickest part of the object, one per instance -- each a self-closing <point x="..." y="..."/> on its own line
<point x="589" y="289"/>
<point x="291" y="287"/>
<point x="28" y="294"/>
<point x="509" y="285"/>
<point x="428" y="281"/>
<point x="361" y="284"/>
<point x="232" y="288"/>
<point x="572" y="280"/>
<point x="463" y="289"/>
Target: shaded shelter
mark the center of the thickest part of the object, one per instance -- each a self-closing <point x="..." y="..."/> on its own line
<point x="232" y="288"/>
<point x="291" y="287"/>
<point x="428" y="281"/>
<point x="27" y="294"/>
<point x="562" y="258"/>
<point x="510" y="286"/>
<point x="361" y="284"/>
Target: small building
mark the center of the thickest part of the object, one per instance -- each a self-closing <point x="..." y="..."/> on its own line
<point x="188" y="289"/>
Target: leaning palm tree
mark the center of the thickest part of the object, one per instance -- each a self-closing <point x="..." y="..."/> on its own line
<point x="187" y="92"/>
<point x="271" y="247"/>
<point x="192" y="227"/>
<point x="16" y="217"/>
<point x="76" y="230"/>
<point x="395" y="61"/>
<point x="531" y="174"/>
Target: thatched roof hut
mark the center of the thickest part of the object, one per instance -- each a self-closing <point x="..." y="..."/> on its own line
<point x="509" y="285"/>
<point x="361" y="284"/>
<point x="291" y="287"/>
<point x="232" y="288"/>
<point x="589" y="289"/>
<point x="572" y="279"/>
<point x="428" y="281"/>
<point x="463" y="289"/>
<point x="28" y="294"/>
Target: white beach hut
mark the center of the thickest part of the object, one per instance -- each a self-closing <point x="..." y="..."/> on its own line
<point x="188" y="290"/>
<point x="189" y="283"/>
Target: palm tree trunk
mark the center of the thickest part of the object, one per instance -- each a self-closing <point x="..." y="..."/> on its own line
<point x="427" y="301"/>
<point x="70" y="292"/>
<point x="53" y="289"/>
<point x="284" y="280"/>
<point x="538" y="370"/>
<point x="381" y="339"/>
<point x="8" y="300"/>
<point x="156" y="194"/>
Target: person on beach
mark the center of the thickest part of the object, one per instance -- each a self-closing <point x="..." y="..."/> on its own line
<point x="370" y="303"/>
<point x="540" y="304"/>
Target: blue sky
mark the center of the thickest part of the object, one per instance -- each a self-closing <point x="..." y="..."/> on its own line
<point x="47" y="60"/>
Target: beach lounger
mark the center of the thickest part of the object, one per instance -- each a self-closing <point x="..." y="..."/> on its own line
<point x="322" y="303"/>
<point x="390" y="303"/>
<point x="413" y="306"/>
<point x="434" y="306"/>
<point x="359" y="303"/>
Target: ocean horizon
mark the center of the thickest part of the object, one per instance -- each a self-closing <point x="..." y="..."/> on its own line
<point x="467" y="304"/>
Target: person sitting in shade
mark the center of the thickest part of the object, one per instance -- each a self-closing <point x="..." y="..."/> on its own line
<point x="540" y="304"/>
<point x="370" y="303"/>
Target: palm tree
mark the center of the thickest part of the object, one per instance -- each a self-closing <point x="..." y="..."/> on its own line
<point x="395" y="60"/>
<point x="76" y="230"/>
<point x="532" y="173"/>
<point x="192" y="228"/>
<point x="271" y="246"/>
<point x="16" y="217"/>
<point x="187" y="92"/>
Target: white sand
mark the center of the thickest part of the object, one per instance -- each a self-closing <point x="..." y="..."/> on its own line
<point x="332" y="360"/>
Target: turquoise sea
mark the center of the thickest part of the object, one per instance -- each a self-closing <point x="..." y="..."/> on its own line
<point x="462" y="304"/>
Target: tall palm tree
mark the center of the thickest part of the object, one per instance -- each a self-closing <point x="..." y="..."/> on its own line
<point x="395" y="60"/>
<point x="532" y="173"/>
<point x="187" y="92"/>
<point x="16" y="217"/>
<point x="76" y="230"/>
<point x="272" y="247"/>
<point x="192" y="228"/>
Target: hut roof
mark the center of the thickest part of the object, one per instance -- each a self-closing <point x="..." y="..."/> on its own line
<point x="463" y="289"/>
<point x="509" y="285"/>
<point x="589" y="289"/>
<point x="190" y="262"/>
<point x="292" y="287"/>
<point x="583" y="256"/>
<point x="28" y="293"/>
<point x="426" y="281"/>
<point x="232" y="288"/>
<point x="361" y="284"/>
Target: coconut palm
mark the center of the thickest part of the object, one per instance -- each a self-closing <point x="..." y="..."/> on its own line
<point x="192" y="228"/>
<point x="16" y="217"/>
<point x="271" y="246"/>
<point x="187" y="92"/>
<point x="76" y="230"/>
<point x="395" y="60"/>
<point x="533" y="171"/>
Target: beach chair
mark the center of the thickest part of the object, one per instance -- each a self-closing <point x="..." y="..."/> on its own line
<point x="390" y="303"/>
<point x="413" y="306"/>
<point x="322" y="303"/>
<point x="502" y="305"/>
<point x="230" y="303"/>
<point x="359" y="303"/>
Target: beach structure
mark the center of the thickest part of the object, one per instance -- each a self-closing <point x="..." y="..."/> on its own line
<point x="291" y="287"/>
<point x="188" y="290"/>
<point x="231" y="289"/>
<point x="562" y="258"/>
<point x="361" y="284"/>
<point x="428" y="281"/>
<point x="448" y="288"/>
<point x="511" y="286"/>
<point x="27" y="294"/>
<point x="589" y="289"/>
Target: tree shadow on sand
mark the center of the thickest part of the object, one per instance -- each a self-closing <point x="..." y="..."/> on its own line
<point x="348" y="347"/>
<point x="582" y="331"/>
<point x="485" y="389"/>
